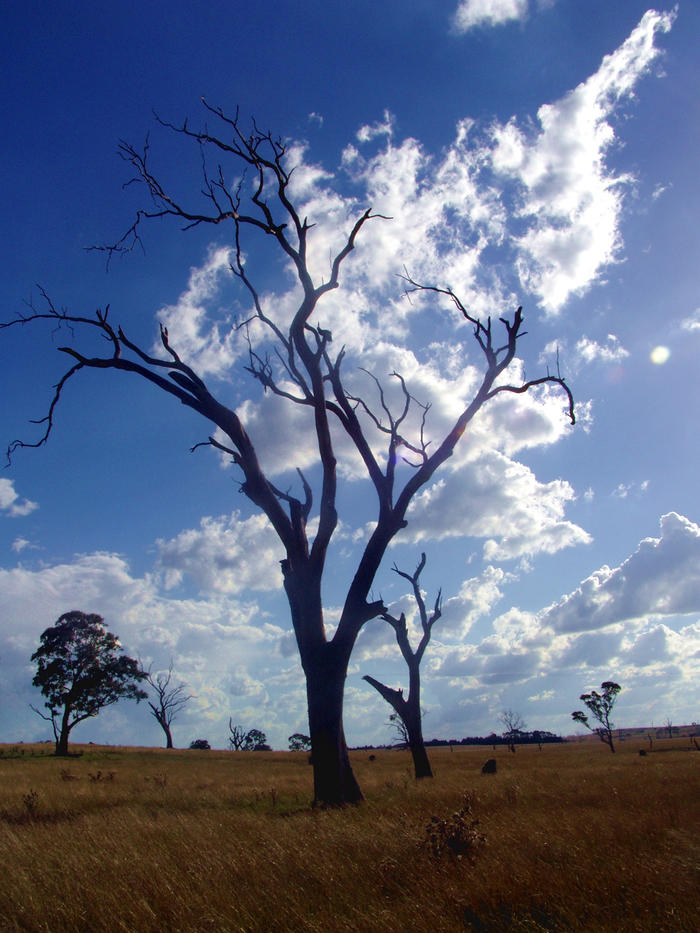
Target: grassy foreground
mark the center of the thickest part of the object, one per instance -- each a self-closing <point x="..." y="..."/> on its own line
<point x="569" y="838"/>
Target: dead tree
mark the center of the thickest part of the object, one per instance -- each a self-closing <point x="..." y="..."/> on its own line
<point x="408" y="709"/>
<point x="167" y="702"/>
<point x="237" y="736"/>
<point x="302" y="370"/>
<point x="514" y="725"/>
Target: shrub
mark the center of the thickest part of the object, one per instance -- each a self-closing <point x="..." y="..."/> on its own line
<point x="458" y="835"/>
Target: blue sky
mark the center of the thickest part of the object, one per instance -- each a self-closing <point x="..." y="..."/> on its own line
<point x="534" y="153"/>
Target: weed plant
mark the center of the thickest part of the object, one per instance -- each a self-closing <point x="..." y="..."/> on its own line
<point x="146" y="841"/>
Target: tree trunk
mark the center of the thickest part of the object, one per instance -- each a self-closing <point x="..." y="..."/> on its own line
<point x="62" y="738"/>
<point x="168" y="736"/>
<point x="334" y="781"/>
<point x="421" y="762"/>
<point x="413" y="718"/>
<point x="410" y="713"/>
<point x="325" y="665"/>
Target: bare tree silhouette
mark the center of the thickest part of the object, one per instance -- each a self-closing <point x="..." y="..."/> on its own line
<point x="167" y="702"/>
<point x="408" y="709"/>
<point x="301" y="370"/>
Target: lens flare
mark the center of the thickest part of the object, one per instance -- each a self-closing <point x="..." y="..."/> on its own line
<point x="659" y="355"/>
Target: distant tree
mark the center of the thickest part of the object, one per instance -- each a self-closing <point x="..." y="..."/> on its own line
<point x="80" y="670"/>
<point x="167" y="702"/>
<point x="600" y="705"/>
<point x="298" y="742"/>
<point x="251" y="741"/>
<point x="408" y="710"/>
<point x="514" y="725"/>
<point x="256" y="741"/>
<point x="669" y="726"/>
<point x="292" y="357"/>
<point x="200" y="745"/>
<point x="237" y="736"/>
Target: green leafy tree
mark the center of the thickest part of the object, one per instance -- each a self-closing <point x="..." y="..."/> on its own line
<point x="600" y="706"/>
<point x="201" y="745"/>
<point x="298" y="742"/>
<point x="80" y="670"/>
<point x="255" y="741"/>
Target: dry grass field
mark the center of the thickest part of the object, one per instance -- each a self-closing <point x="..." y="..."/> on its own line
<point x="568" y="838"/>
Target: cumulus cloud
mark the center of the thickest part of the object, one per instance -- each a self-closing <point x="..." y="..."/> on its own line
<point x="216" y="644"/>
<point x="471" y="14"/>
<point x="476" y="598"/>
<point x="662" y="577"/>
<point x="501" y="500"/>
<point x="623" y="624"/>
<point x="10" y="502"/>
<point x="226" y="554"/>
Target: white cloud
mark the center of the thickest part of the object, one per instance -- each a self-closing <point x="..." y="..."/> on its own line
<point x="221" y="647"/>
<point x="10" y="502"/>
<point x="445" y="211"/>
<point x="590" y="351"/>
<point x="501" y="500"/>
<point x="571" y="200"/>
<point x="623" y="490"/>
<point x="476" y="598"/>
<point x="662" y="577"/>
<point x="21" y="544"/>
<point x="474" y="13"/>
<point x="209" y="346"/>
<point x="226" y="554"/>
<point x="692" y="323"/>
<point x="385" y="128"/>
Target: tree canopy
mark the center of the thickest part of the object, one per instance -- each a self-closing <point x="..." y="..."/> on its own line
<point x="600" y="706"/>
<point x="80" y="670"/>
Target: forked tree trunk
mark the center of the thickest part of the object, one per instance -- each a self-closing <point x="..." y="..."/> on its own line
<point x="410" y="714"/>
<point x="325" y="665"/>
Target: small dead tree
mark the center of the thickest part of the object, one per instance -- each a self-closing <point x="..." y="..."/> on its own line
<point x="294" y="361"/>
<point x="237" y="736"/>
<point x="514" y="724"/>
<point x="408" y="710"/>
<point x="167" y="702"/>
<point x="600" y="705"/>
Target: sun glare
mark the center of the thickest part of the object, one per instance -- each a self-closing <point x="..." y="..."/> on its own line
<point x="659" y="355"/>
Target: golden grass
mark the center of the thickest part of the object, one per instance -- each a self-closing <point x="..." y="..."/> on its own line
<point x="147" y="840"/>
